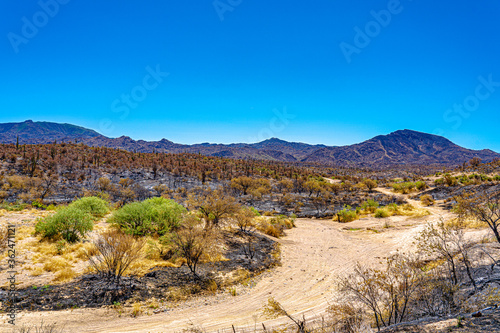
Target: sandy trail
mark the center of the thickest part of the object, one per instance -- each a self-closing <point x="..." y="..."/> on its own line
<point x="313" y="255"/>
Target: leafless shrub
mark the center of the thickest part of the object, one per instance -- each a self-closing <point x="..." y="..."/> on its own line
<point x="116" y="251"/>
<point x="346" y="318"/>
<point x="484" y="207"/>
<point x="42" y="328"/>
<point x="385" y="294"/>
<point x="274" y="309"/>
<point x="193" y="240"/>
<point x="446" y="240"/>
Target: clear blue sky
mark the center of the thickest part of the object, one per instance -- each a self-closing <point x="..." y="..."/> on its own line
<point x="229" y="67"/>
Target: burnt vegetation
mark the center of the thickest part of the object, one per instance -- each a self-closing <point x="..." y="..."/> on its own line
<point x="170" y="226"/>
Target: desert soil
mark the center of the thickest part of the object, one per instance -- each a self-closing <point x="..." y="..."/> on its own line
<point x="313" y="256"/>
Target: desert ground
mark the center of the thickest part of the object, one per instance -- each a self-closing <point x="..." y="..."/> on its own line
<point x="314" y="255"/>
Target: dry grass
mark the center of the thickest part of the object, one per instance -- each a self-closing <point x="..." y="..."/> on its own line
<point x="136" y="309"/>
<point x="180" y="294"/>
<point x="43" y="250"/>
<point x="24" y="232"/>
<point x="239" y="276"/>
<point x="65" y="275"/>
<point x="412" y="211"/>
<point x="79" y="250"/>
<point x="153" y="303"/>
<point x="149" y="260"/>
<point x="37" y="271"/>
<point x="467" y="223"/>
<point x="212" y="287"/>
<point x="143" y="266"/>
<point x="56" y="264"/>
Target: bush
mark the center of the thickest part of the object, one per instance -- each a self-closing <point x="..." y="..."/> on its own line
<point x="370" y="205"/>
<point x="94" y="206"/>
<point x="420" y="185"/>
<point x="42" y="328"/>
<point x="256" y="212"/>
<point x="276" y="226"/>
<point x="70" y="223"/>
<point x="392" y="207"/>
<point x="156" y="216"/>
<point x="427" y="200"/>
<point x="38" y="204"/>
<point x="346" y="215"/>
<point x="382" y="213"/>
<point x="116" y="251"/>
<point x="439" y="182"/>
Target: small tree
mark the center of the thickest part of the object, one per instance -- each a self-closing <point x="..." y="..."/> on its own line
<point x="436" y="240"/>
<point x="244" y="219"/>
<point x="448" y="242"/>
<point x="213" y="206"/>
<point x="242" y="184"/>
<point x="386" y="294"/>
<point x="484" y="207"/>
<point x="370" y="184"/>
<point x="116" y="251"/>
<point x="193" y="240"/>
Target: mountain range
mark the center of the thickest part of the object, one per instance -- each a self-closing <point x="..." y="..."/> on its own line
<point x="403" y="147"/>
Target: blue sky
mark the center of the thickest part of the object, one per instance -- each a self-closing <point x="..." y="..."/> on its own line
<point x="332" y="72"/>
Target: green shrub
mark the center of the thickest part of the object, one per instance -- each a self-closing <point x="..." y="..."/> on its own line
<point x="255" y="211"/>
<point x="94" y="206"/>
<point x="382" y="213"/>
<point x="70" y="223"/>
<point x="497" y="177"/>
<point x="51" y="207"/>
<point x="276" y="226"/>
<point x="420" y="185"/>
<point x="156" y="216"/>
<point x="392" y="207"/>
<point x="346" y="215"/>
<point x="439" y="182"/>
<point x="369" y="205"/>
<point x="14" y="207"/>
<point x="37" y="204"/>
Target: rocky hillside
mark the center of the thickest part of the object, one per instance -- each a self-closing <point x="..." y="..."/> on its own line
<point x="400" y="147"/>
<point x="43" y="132"/>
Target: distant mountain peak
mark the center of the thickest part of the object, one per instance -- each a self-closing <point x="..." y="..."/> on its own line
<point x="273" y="139"/>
